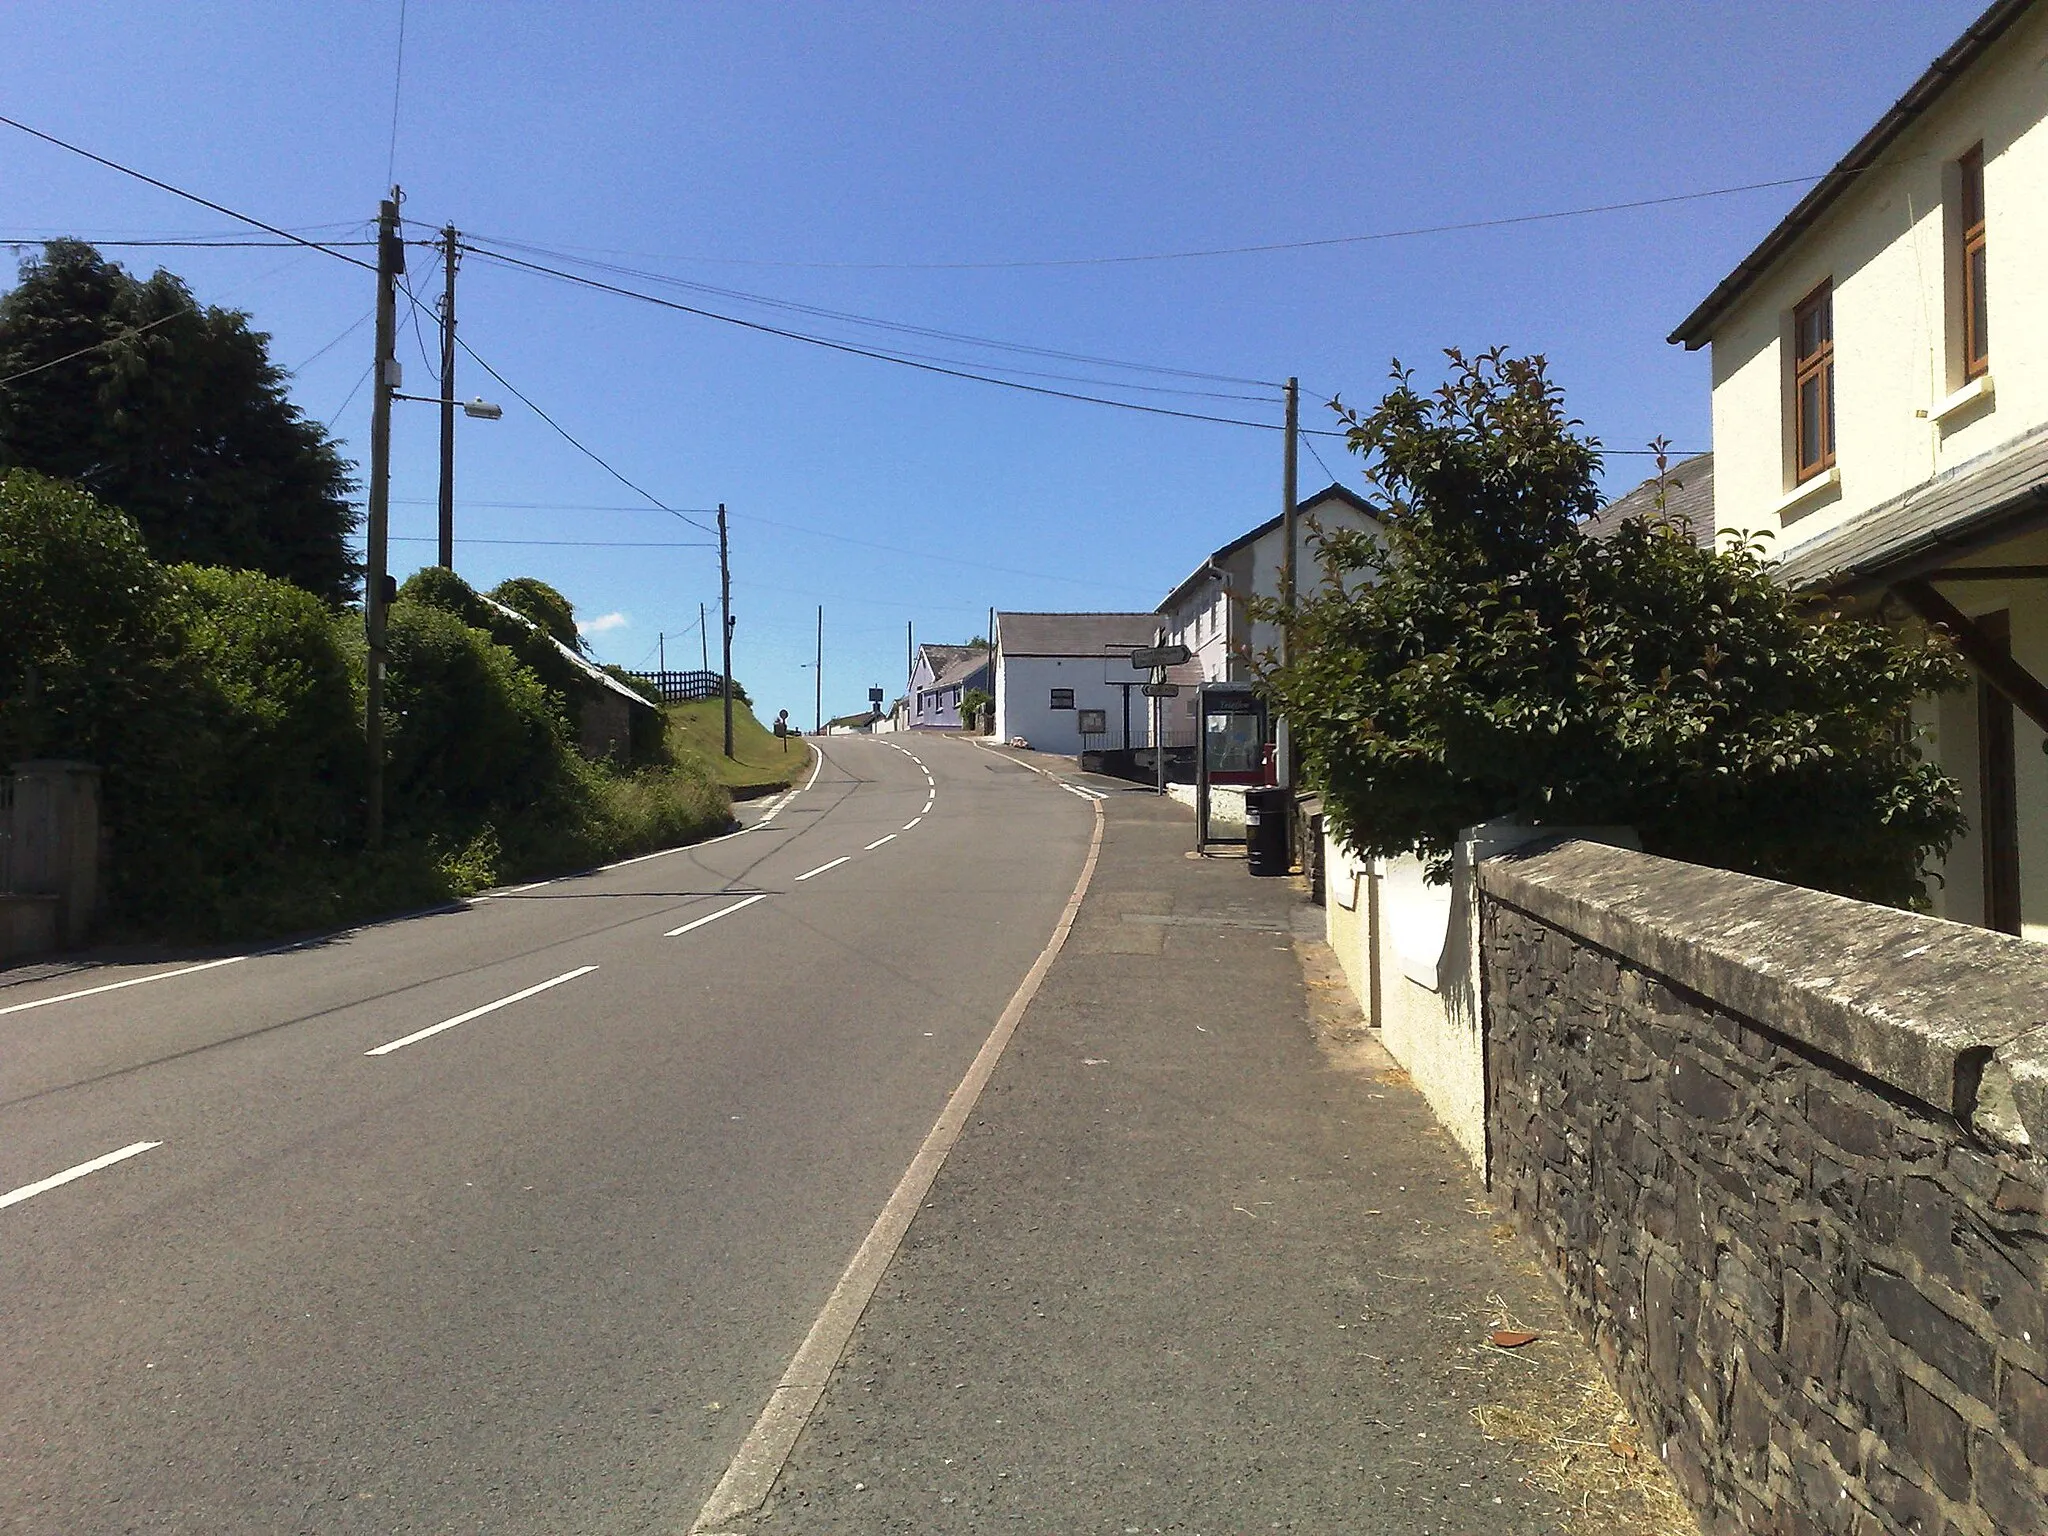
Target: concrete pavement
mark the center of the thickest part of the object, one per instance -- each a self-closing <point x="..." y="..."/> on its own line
<point x="1203" y="1263"/>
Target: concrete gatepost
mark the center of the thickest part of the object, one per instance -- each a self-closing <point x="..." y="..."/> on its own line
<point x="57" y="840"/>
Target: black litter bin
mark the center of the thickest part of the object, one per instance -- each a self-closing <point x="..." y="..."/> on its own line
<point x="1265" y="831"/>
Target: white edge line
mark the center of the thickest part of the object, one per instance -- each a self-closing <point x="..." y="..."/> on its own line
<point x="29" y="1191"/>
<point x="817" y="767"/>
<point x="912" y="822"/>
<point x="823" y="867"/>
<point x="871" y="847"/>
<point x="115" y="986"/>
<point x="477" y="1013"/>
<point x="715" y="916"/>
<point x="751" y="1475"/>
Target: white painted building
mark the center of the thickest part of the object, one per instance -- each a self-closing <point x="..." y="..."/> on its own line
<point x="1881" y="414"/>
<point x="1209" y="612"/>
<point x="1051" y="668"/>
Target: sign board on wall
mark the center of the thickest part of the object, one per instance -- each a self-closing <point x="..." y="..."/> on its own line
<point x="1093" y="722"/>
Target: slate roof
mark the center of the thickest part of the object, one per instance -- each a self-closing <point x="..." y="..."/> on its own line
<point x="1688" y="502"/>
<point x="1074" y="634"/>
<point x="1977" y="502"/>
<point x="969" y="660"/>
<point x="596" y="674"/>
<point x="940" y="657"/>
<point x="1304" y="507"/>
<point x="1696" y="329"/>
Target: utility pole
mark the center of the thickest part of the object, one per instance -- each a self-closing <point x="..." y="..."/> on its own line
<point x="704" y="637"/>
<point x="1288" y="535"/>
<point x="390" y="263"/>
<point x="819" y="706"/>
<point x="989" y="635"/>
<point x="661" y="654"/>
<point x="448" y="250"/>
<point x="725" y="620"/>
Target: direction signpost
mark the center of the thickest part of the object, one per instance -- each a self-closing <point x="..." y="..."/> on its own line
<point x="1147" y="658"/>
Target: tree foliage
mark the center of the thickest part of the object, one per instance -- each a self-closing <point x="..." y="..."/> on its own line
<point x="543" y="604"/>
<point x="1486" y="659"/>
<point x="173" y="412"/>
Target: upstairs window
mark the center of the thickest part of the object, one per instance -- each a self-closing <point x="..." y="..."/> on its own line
<point x="1813" y="383"/>
<point x="1976" y="313"/>
<point x="1062" y="698"/>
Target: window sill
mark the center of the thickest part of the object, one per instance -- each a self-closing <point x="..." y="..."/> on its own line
<point x="1796" y="499"/>
<point x="1978" y="389"/>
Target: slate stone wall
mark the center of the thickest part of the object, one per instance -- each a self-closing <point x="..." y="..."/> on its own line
<point x="1815" y="1266"/>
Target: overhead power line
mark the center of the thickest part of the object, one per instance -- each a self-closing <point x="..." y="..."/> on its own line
<point x="1414" y="232"/>
<point x="190" y="197"/>
<point x="858" y="351"/>
<point x="572" y="440"/>
<point x="903" y="328"/>
<point x="564" y="543"/>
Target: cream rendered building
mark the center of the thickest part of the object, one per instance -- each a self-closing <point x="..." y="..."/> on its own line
<point x="1880" y="415"/>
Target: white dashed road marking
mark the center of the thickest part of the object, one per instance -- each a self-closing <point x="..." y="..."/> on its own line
<point x="871" y="847"/>
<point x="477" y="1013"/>
<point x="847" y="859"/>
<point x="115" y="986"/>
<point x="30" y="1191"/>
<point x="715" y="916"/>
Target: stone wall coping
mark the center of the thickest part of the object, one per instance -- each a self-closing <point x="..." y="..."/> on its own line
<point x="1952" y="1015"/>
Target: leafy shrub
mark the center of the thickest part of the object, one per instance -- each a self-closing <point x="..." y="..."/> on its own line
<point x="541" y="603"/>
<point x="1499" y="663"/>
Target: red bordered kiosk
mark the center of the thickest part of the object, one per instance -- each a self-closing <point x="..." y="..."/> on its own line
<point x="1233" y="748"/>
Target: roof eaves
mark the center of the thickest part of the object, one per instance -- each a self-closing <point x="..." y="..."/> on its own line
<point x="1694" y="330"/>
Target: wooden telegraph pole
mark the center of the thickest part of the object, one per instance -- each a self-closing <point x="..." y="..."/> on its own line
<point x="448" y="249"/>
<point x="725" y="620"/>
<point x="1289" y="536"/>
<point x="390" y="263"/>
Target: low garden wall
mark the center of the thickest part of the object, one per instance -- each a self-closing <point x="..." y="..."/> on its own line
<point x="1785" y="1153"/>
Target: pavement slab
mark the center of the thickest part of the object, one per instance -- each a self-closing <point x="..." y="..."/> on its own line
<point x="1202" y="1262"/>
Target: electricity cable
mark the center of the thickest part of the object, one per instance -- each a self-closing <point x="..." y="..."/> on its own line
<point x="190" y="197"/>
<point x="397" y="80"/>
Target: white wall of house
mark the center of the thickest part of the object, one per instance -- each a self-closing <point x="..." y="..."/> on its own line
<point x="1262" y="568"/>
<point x="1904" y="413"/>
<point x="1201" y="622"/>
<point x="1889" y="247"/>
<point x="1024" y="693"/>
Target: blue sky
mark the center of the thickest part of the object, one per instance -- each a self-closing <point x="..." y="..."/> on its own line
<point x="878" y="160"/>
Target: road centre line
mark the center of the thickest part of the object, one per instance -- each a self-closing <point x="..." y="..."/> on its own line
<point x="750" y="1476"/>
<point x="912" y="822"/>
<point x="476" y="1013"/>
<point x="715" y="916"/>
<point x="106" y="1160"/>
<point x="115" y="986"/>
<point x="823" y="867"/>
<point x="925" y="809"/>
<point x="871" y="847"/>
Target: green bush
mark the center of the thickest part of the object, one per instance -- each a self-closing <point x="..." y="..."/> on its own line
<point x="541" y="603"/>
<point x="1486" y="659"/>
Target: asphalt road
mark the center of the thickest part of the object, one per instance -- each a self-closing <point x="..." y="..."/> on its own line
<point x="536" y="1271"/>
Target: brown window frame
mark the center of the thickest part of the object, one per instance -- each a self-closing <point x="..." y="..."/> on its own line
<point x="1813" y="370"/>
<point x="1970" y="223"/>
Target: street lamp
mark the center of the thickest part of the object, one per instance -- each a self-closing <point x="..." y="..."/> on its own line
<point x="478" y="409"/>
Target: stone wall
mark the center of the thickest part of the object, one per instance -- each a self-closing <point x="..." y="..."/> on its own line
<point x="1781" y="1150"/>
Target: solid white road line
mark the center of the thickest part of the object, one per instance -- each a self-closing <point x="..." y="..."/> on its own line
<point x="115" y="986"/>
<point x="912" y="822"/>
<point x="823" y="867"/>
<point x="477" y="1013"/>
<point x="751" y="1475"/>
<point x="871" y="847"/>
<point x="817" y="767"/>
<point x="715" y="916"/>
<point x="30" y="1191"/>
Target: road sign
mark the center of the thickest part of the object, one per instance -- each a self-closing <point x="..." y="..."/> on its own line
<point x="875" y="697"/>
<point x="1094" y="722"/>
<point x="1161" y="690"/>
<point x="1148" y="657"/>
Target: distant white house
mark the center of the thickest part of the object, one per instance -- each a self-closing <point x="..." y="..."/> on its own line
<point x="1209" y="612"/>
<point x="1052" y="669"/>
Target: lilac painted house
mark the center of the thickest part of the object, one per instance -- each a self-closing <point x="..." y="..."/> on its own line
<point x="942" y="675"/>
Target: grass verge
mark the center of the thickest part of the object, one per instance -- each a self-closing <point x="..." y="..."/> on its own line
<point x="698" y="731"/>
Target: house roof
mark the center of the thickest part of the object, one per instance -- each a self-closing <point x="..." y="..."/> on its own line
<point x="1695" y="330"/>
<point x="576" y="659"/>
<point x="1688" y="502"/>
<point x="940" y="657"/>
<point x="1329" y="493"/>
<point x="1981" y="500"/>
<point x="960" y="669"/>
<point x="1074" y="634"/>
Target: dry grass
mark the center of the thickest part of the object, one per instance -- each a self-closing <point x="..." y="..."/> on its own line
<point x="1582" y="1445"/>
